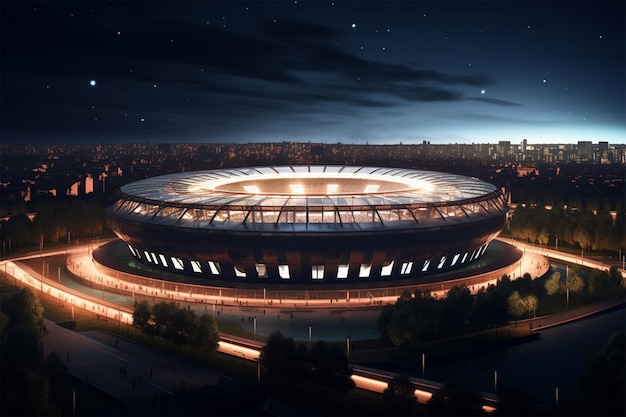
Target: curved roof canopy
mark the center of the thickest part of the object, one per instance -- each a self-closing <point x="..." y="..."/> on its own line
<point x="283" y="195"/>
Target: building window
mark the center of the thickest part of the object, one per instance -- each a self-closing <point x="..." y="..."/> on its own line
<point x="239" y="273"/>
<point x="163" y="261"/>
<point x="214" y="267"/>
<point x="195" y="266"/>
<point x="406" y="268"/>
<point x="464" y="258"/>
<point x="154" y="257"/>
<point x="342" y="271"/>
<point x="426" y="265"/>
<point x="364" y="270"/>
<point x="386" y="270"/>
<point x="317" y="271"/>
<point x="132" y="250"/>
<point x="148" y="257"/>
<point x="441" y="262"/>
<point x="455" y="259"/>
<point x="261" y="270"/>
<point x="283" y="271"/>
<point x="178" y="263"/>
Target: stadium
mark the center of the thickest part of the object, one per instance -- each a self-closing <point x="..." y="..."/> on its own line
<point x="336" y="226"/>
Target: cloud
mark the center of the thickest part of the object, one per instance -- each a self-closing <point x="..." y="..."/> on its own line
<point x="495" y="101"/>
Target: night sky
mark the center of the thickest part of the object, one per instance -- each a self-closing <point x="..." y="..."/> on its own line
<point x="319" y="71"/>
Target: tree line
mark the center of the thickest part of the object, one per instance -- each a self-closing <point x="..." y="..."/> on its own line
<point x="582" y="228"/>
<point x="56" y="220"/>
<point x="288" y="363"/>
<point x="419" y="317"/>
<point x="31" y="384"/>
<point x="180" y="325"/>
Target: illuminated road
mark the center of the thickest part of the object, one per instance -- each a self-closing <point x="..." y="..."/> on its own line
<point x="125" y="374"/>
<point x="120" y="383"/>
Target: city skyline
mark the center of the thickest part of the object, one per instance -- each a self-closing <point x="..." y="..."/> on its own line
<point x="349" y="72"/>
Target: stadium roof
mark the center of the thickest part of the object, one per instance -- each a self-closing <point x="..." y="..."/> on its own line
<point x="337" y="195"/>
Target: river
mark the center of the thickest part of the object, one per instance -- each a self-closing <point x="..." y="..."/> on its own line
<point x="555" y="360"/>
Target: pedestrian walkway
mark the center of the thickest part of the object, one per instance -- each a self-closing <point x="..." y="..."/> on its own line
<point x="125" y="370"/>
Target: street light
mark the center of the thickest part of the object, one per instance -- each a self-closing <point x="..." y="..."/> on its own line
<point x="495" y="382"/>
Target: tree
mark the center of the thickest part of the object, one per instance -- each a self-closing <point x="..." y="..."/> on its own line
<point x="142" y="315"/>
<point x="574" y="280"/>
<point x="403" y="326"/>
<point x="207" y="335"/>
<point x="583" y="236"/>
<point x="24" y="310"/>
<point x="532" y="303"/>
<point x="455" y="308"/>
<point x="330" y="367"/>
<point x="282" y="358"/>
<point x="163" y="316"/>
<point x="598" y="281"/>
<point x="543" y="237"/>
<point x="182" y="326"/>
<point x="517" y="306"/>
<point x="400" y="395"/>
<point x="553" y="284"/>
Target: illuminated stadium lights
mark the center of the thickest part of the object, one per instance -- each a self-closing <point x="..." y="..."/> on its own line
<point x="303" y="224"/>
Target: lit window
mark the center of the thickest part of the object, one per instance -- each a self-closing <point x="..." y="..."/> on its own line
<point x="464" y="258"/>
<point x="261" y="270"/>
<point x="426" y="265"/>
<point x="317" y="271"/>
<point x="386" y="270"/>
<point x="132" y="250"/>
<point x="296" y="188"/>
<point x="364" y="271"/>
<point x="195" y="266"/>
<point x="441" y="262"/>
<point x="239" y="273"/>
<point x="342" y="271"/>
<point x="163" y="261"/>
<point x="214" y="267"/>
<point x="156" y="261"/>
<point x="406" y="268"/>
<point x="253" y="189"/>
<point x="484" y="249"/>
<point x="455" y="259"/>
<point x="178" y="263"/>
<point x="283" y="271"/>
<point x="148" y="257"/>
<point x="472" y="257"/>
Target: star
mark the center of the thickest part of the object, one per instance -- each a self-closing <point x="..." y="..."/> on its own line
<point x="482" y="91"/>
<point x="92" y="83"/>
<point x="353" y="25"/>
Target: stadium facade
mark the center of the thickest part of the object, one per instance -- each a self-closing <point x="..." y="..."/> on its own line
<point x="335" y="225"/>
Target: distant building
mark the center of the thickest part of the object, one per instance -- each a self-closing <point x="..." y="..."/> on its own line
<point x="88" y="184"/>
